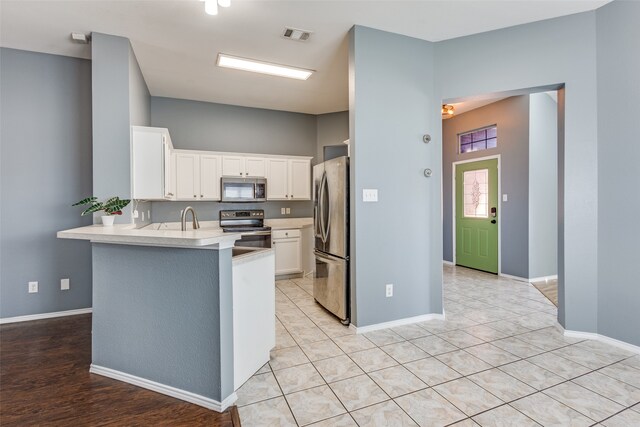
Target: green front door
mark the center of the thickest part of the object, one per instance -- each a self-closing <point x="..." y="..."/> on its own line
<point x="476" y="215"/>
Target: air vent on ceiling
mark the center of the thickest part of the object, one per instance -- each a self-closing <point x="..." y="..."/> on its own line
<point x="296" y="34"/>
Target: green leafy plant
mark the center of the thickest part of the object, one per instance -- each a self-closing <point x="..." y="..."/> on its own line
<point x="111" y="206"/>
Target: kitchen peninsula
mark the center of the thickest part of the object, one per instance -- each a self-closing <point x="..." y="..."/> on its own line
<point x="179" y="312"/>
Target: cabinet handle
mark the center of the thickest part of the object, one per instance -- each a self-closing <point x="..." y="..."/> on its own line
<point x="201" y="195"/>
<point x="195" y="195"/>
<point x="169" y="194"/>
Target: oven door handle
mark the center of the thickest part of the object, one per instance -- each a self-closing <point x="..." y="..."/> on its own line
<point x="256" y="233"/>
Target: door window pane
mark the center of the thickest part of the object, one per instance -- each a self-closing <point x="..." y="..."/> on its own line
<point x="476" y="193"/>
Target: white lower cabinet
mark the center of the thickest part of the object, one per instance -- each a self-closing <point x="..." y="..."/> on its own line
<point x="287" y="245"/>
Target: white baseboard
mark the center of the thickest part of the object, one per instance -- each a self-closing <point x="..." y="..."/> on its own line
<point x="543" y="278"/>
<point x="394" y="323"/>
<point x="187" y="396"/>
<point x="518" y="278"/>
<point x="447" y="262"/>
<point x="597" y="337"/>
<point x="41" y="316"/>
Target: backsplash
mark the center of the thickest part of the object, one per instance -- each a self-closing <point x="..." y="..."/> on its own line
<point x="209" y="211"/>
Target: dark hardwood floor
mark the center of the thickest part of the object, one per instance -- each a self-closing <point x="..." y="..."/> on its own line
<point x="45" y="380"/>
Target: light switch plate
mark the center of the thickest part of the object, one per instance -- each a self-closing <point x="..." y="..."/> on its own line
<point x="283" y="211"/>
<point x="64" y="284"/>
<point x="288" y="211"/>
<point x="369" y="195"/>
<point x="505" y="198"/>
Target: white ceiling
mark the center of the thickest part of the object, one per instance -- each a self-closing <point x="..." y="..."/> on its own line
<point x="176" y="43"/>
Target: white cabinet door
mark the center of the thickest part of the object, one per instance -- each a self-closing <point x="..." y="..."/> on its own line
<point x="233" y="166"/>
<point x="210" y="171"/>
<point x="277" y="179"/>
<point x="150" y="158"/>
<point x="300" y="179"/>
<point x="187" y="177"/>
<point x="288" y="258"/>
<point x="255" y="167"/>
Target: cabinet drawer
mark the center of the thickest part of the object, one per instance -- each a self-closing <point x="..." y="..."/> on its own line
<point x="284" y="234"/>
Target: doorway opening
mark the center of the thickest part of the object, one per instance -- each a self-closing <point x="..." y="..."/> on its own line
<point x="502" y="184"/>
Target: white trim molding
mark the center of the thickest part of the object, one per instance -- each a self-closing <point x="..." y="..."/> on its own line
<point x="543" y="278"/>
<point x="597" y="337"/>
<point x="445" y="262"/>
<point x="394" y="323"/>
<point x="41" y="316"/>
<point x="517" y="278"/>
<point x="177" y="393"/>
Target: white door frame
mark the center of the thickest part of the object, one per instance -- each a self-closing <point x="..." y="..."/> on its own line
<point x="453" y="204"/>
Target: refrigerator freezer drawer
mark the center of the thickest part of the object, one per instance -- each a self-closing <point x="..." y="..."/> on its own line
<point x="330" y="284"/>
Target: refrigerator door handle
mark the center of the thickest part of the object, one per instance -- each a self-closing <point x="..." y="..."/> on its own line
<point x="329" y="212"/>
<point x="316" y="221"/>
<point x="321" y="207"/>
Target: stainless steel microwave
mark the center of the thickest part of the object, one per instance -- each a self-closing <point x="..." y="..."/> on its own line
<point x="243" y="189"/>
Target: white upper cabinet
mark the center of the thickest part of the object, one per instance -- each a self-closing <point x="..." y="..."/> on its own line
<point x="197" y="176"/>
<point x="300" y="177"/>
<point x="288" y="179"/>
<point x="151" y="164"/>
<point x="187" y="176"/>
<point x="277" y="179"/>
<point x="210" y="172"/>
<point x="243" y="167"/>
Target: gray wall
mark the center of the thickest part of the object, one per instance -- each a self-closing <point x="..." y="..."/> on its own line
<point x="544" y="53"/>
<point x="618" y="155"/>
<point x="196" y="125"/>
<point x="111" y="119"/>
<point x="511" y="116"/>
<point x="145" y="325"/>
<point x="543" y="186"/>
<point x="120" y="99"/>
<point x="332" y="129"/>
<point x="45" y="167"/>
<point x="392" y="105"/>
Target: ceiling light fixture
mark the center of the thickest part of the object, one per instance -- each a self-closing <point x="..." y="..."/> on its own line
<point x="447" y="111"/>
<point x="211" y="6"/>
<point x="227" y="61"/>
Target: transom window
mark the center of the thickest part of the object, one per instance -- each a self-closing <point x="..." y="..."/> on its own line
<point x="480" y="139"/>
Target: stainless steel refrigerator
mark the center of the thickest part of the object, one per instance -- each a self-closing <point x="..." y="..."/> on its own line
<point x="331" y="225"/>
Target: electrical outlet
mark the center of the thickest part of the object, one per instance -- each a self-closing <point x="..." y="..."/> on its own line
<point x="149" y="215"/>
<point x="283" y="211"/>
<point x="64" y="284"/>
<point x="288" y="211"/>
<point x="33" y="287"/>
<point x="369" y="195"/>
<point x="389" y="289"/>
<point x="136" y="213"/>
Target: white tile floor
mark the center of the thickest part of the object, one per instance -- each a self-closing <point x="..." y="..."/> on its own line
<point x="497" y="360"/>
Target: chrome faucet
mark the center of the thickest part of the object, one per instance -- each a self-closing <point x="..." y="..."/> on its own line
<point x="183" y="218"/>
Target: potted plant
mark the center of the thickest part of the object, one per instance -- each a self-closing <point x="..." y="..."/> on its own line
<point x="111" y="207"/>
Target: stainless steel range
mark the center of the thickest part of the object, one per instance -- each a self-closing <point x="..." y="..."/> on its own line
<point x="250" y="223"/>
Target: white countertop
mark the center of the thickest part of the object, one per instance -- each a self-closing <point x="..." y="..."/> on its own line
<point x="211" y="238"/>
<point x="288" y="223"/>
<point x="275" y="224"/>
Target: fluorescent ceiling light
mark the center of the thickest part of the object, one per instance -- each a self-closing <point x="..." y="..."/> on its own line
<point x="224" y="3"/>
<point x="228" y="61"/>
